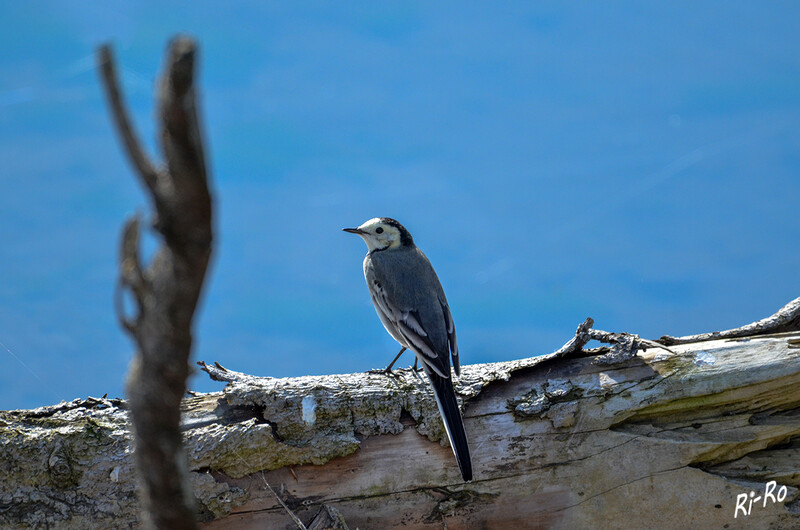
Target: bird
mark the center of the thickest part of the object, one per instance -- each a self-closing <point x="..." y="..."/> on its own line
<point x="411" y="304"/>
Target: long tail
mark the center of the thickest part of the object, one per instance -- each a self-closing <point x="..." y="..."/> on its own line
<point x="453" y="424"/>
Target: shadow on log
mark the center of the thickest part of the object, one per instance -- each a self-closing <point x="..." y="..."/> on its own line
<point x="665" y="439"/>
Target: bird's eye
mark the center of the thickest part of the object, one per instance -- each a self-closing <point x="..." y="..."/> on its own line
<point x="379" y="230"/>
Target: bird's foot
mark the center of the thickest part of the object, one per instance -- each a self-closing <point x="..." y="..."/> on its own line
<point x="383" y="371"/>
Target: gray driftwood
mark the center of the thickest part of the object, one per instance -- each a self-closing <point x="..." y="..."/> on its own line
<point x="666" y="439"/>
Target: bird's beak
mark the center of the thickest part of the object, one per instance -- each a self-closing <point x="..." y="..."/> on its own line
<point x="353" y="230"/>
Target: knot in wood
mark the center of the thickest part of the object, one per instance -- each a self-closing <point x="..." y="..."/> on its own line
<point x="59" y="467"/>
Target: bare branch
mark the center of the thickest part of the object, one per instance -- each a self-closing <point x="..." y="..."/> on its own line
<point x="130" y="265"/>
<point x="784" y="320"/>
<point x="167" y="292"/>
<point x="127" y="323"/>
<point x="624" y="345"/>
<point x="180" y="133"/>
<point x="217" y="372"/>
<point x="575" y="345"/>
<point x="181" y="141"/>
<point x="131" y="277"/>
<point x="133" y="147"/>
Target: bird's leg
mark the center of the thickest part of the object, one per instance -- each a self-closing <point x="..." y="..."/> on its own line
<point x="415" y="370"/>
<point x="388" y="369"/>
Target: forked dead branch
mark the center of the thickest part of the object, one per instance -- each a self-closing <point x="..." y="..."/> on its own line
<point x="167" y="290"/>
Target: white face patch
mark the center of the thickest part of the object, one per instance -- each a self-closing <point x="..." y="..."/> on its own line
<point x="378" y="235"/>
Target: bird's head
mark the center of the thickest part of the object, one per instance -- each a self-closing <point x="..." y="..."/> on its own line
<point x="381" y="233"/>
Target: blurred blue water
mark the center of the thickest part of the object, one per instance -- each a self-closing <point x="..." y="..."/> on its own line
<point x="634" y="163"/>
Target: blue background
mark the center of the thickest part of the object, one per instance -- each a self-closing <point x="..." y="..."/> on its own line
<point x="633" y="162"/>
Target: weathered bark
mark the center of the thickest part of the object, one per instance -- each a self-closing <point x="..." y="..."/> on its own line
<point x="167" y="291"/>
<point x="662" y="440"/>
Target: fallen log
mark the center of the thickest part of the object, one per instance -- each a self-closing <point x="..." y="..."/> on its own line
<point x="667" y="438"/>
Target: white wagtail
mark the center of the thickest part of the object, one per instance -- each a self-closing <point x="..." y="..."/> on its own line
<point x="411" y="304"/>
